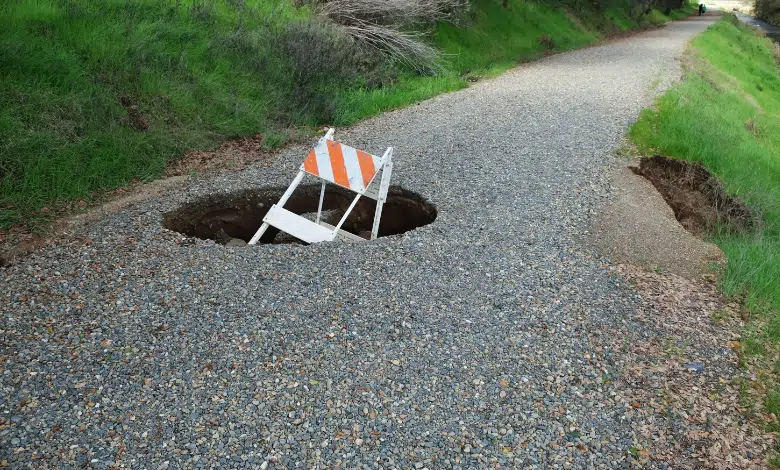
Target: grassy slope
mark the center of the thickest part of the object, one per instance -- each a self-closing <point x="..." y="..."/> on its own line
<point x="64" y="67"/>
<point x="726" y="114"/>
<point x="198" y="72"/>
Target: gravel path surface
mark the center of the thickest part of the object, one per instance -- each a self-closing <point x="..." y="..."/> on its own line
<point x="465" y="344"/>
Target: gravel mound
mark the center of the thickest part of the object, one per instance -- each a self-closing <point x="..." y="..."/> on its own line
<point x="464" y="344"/>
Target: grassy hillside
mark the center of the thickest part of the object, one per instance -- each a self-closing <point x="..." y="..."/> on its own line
<point x="97" y="93"/>
<point x="726" y="115"/>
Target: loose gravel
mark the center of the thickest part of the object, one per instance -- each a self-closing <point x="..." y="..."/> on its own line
<point x="467" y="343"/>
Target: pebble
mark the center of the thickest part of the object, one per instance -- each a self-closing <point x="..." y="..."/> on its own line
<point x="694" y="367"/>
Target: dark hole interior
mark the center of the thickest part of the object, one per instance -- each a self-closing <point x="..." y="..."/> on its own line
<point x="697" y="197"/>
<point x="235" y="217"/>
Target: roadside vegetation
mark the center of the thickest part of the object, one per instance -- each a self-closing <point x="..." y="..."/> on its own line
<point x="95" y="94"/>
<point x="726" y="115"/>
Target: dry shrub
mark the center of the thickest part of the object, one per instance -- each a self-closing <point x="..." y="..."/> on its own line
<point x="752" y="126"/>
<point x="776" y="52"/>
<point x="391" y="12"/>
<point x="768" y="10"/>
<point x="322" y="60"/>
<point x="392" y="26"/>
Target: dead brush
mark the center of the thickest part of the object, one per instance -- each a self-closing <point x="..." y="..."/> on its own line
<point x="393" y="26"/>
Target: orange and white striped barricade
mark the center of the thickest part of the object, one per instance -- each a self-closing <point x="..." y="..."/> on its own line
<point x="339" y="164"/>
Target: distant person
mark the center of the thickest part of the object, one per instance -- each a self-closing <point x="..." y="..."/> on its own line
<point x="701" y="9"/>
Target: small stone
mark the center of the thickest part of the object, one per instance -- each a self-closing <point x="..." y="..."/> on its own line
<point x="358" y="442"/>
<point x="694" y="367"/>
<point x="236" y="242"/>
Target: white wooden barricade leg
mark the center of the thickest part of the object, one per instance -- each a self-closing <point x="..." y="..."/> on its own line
<point x="281" y="203"/>
<point x="346" y="214"/>
<point x="319" y="207"/>
<point x="384" y="185"/>
<point x="328" y="136"/>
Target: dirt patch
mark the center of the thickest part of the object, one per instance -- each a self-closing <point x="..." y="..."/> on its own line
<point x="546" y="41"/>
<point x="697" y="197"/>
<point x="230" y="155"/>
<point x="227" y="218"/>
<point x="134" y="117"/>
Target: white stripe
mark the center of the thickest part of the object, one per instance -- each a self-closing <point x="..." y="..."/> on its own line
<point x="323" y="160"/>
<point x="377" y="161"/>
<point x="353" y="168"/>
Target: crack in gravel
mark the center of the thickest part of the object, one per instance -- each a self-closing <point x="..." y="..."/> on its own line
<point x="464" y="344"/>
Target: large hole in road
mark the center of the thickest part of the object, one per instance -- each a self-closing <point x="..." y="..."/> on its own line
<point x="697" y="197"/>
<point x="233" y="218"/>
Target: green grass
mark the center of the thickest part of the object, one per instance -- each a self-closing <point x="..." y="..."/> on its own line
<point x="97" y="93"/>
<point x="196" y="77"/>
<point x="497" y="38"/>
<point x="726" y="115"/>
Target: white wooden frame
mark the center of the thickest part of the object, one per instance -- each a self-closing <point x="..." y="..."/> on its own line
<point x="319" y="231"/>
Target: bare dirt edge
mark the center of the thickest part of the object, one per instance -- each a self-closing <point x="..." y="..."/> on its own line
<point x="638" y="227"/>
<point x="15" y="245"/>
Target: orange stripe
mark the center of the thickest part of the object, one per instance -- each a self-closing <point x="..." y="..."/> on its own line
<point x="337" y="164"/>
<point x="310" y="164"/>
<point x="366" y="162"/>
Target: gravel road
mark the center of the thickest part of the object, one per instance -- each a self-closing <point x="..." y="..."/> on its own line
<point x="468" y="343"/>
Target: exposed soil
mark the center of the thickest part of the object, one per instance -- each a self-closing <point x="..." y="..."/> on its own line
<point x="135" y="119"/>
<point x="227" y="217"/>
<point x="638" y="227"/>
<point x="697" y="197"/>
<point x="232" y="154"/>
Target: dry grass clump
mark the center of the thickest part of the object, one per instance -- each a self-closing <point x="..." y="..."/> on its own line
<point x="393" y="26"/>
